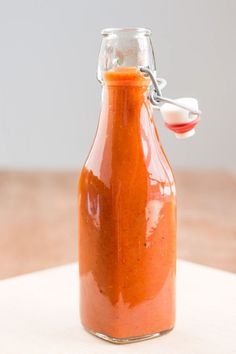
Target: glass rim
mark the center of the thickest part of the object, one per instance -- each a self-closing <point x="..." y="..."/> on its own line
<point x="139" y="30"/>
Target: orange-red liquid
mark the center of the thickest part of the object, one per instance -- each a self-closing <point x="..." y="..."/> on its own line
<point x="127" y="218"/>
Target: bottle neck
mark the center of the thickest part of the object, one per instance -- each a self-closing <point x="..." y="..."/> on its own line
<point x="124" y="103"/>
<point x="125" y="93"/>
<point x="126" y="120"/>
<point x="123" y="48"/>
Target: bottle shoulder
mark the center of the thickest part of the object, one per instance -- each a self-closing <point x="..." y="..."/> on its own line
<point x="127" y="148"/>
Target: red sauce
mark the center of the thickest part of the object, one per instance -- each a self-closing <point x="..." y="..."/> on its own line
<point x="127" y="218"/>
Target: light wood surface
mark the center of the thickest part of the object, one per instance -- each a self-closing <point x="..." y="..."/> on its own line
<point x="39" y="315"/>
<point x="38" y="219"/>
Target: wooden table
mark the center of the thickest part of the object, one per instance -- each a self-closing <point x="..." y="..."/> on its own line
<point x="38" y="219"/>
<point x="39" y="315"/>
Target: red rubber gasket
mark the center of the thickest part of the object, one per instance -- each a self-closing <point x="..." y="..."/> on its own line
<point x="184" y="127"/>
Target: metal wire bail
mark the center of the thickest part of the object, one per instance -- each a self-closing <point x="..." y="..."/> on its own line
<point x="156" y="97"/>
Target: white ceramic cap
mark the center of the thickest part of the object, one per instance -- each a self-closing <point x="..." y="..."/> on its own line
<point x="174" y="115"/>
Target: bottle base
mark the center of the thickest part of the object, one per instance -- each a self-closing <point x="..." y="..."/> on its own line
<point x="128" y="339"/>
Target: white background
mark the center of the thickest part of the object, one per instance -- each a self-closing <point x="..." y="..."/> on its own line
<point x="49" y="96"/>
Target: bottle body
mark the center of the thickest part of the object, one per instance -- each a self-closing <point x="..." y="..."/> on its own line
<point x="127" y="219"/>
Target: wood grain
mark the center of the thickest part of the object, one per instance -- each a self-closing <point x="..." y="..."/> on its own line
<point x="38" y="219"/>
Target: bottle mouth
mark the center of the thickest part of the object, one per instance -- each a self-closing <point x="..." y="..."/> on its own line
<point x="138" y="30"/>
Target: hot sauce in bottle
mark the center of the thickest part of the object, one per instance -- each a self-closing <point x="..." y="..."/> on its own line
<point x="127" y="203"/>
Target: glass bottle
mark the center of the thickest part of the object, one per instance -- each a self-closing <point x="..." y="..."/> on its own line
<point x="127" y="206"/>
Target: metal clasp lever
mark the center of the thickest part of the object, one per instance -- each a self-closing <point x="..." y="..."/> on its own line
<point x="182" y="119"/>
